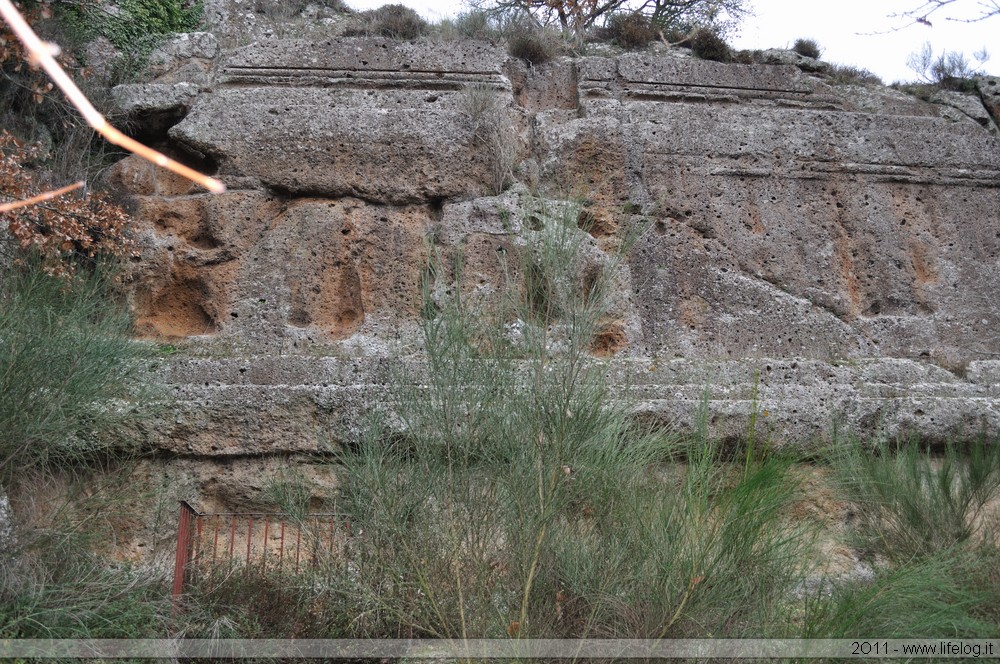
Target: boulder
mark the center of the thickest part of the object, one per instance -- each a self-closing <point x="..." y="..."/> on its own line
<point x="780" y="56"/>
<point x="186" y="57"/>
<point x="989" y="92"/>
<point x="969" y="106"/>
<point x="141" y="100"/>
<point x="374" y="119"/>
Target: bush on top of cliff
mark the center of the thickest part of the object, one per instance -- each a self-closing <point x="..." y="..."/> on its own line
<point x="709" y="45"/>
<point x="532" y="43"/>
<point x="808" y="48"/>
<point x="392" y="21"/>
<point x="851" y="75"/>
<point x="949" y="70"/>
<point x="475" y="24"/>
<point x="629" y="30"/>
<point x="283" y="10"/>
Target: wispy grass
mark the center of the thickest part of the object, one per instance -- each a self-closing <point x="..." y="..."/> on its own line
<point x="290" y="493"/>
<point x="85" y="599"/>
<point x="922" y="518"/>
<point x="68" y="369"/>
<point x="914" y="503"/>
<point x="69" y="376"/>
<point x="935" y="597"/>
<point x="55" y="577"/>
<point x="272" y="604"/>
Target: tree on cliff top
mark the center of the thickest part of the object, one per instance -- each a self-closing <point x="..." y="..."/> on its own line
<point x="579" y="15"/>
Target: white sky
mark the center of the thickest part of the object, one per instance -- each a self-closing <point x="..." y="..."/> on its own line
<point x="841" y="27"/>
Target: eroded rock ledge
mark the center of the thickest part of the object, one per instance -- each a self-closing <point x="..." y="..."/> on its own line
<point x="841" y="242"/>
<point x="259" y="405"/>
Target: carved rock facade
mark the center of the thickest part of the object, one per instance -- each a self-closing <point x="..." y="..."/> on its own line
<point x="838" y="245"/>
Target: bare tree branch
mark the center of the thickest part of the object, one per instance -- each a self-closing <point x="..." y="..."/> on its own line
<point x="40" y="198"/>
<point x="923" y="13"/>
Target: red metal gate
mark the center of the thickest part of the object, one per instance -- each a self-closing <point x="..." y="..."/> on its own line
<point x="209" y="541"/>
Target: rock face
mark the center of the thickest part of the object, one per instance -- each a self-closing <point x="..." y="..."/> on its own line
<point x="837" y="245"/>
<point x="377" y="120"/>
<point x="989" y="90"/>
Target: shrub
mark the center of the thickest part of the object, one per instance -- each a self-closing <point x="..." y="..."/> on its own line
<point x="67" y="367"/>
<point x="533" y="45"/>
<point x="141" y="19"/>
<point x="912" y="505"/>
<point x="680" y="34"/>
<point x="135" y="29"/>
<point x="476" y="24"/>
<point x="941" y="595"/>
<point x="33" y="108"/>
<point x="392" y="21"/>
<point x="283" y="10"/>
<point x="54" y="581"/>
<point x="13" y="55"/>
<point x="62" y="231"/>
<point x="248" y="603"/>
<point x="749" y="57"/>
<point x="709" y="45"/>
<point x="511" y="496"/>
<point x="492" y="129"/>
<point x="949" y="70"/>
<point x="928" y="522"/>
<point x="807" y="48"/>
<point x="629" y="30"/>
<point x="68" y="376"/>
<point x="77" y="597"/>
<point x="579" y="17"/>
<point x="851" y="75"/>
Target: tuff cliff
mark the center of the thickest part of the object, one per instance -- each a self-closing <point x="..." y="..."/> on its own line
<point x="835" y="245"/>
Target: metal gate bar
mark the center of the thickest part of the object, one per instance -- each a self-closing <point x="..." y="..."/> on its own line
<point x="193" y="526"/>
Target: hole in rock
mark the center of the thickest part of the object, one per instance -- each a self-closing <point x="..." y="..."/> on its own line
<point x="178" y="310"/>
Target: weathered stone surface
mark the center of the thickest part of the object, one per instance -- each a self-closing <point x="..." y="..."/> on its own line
<point x="239" y="22"/>
<point x="266" y="272"/>
<point x="101" y="55"/>
<point x="841" y="243"/>
<point x="968" y="106"/>
<point x="392" y="128"/>
<point x="876" y="99"/>
<point x="637" y="68"/>
<point x="256" y="405"/>
<point x="780" y="56"/>
<point x="989" y="91"/>
<point x="143" y="99"/>
<point x="185" y="58"/>
<point x="808" y="141"/>
<point x="303" y="61"/>
<point x="184" y="46"/>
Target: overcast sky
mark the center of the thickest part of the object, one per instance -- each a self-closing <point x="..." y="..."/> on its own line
<point x="844" y="30"/>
